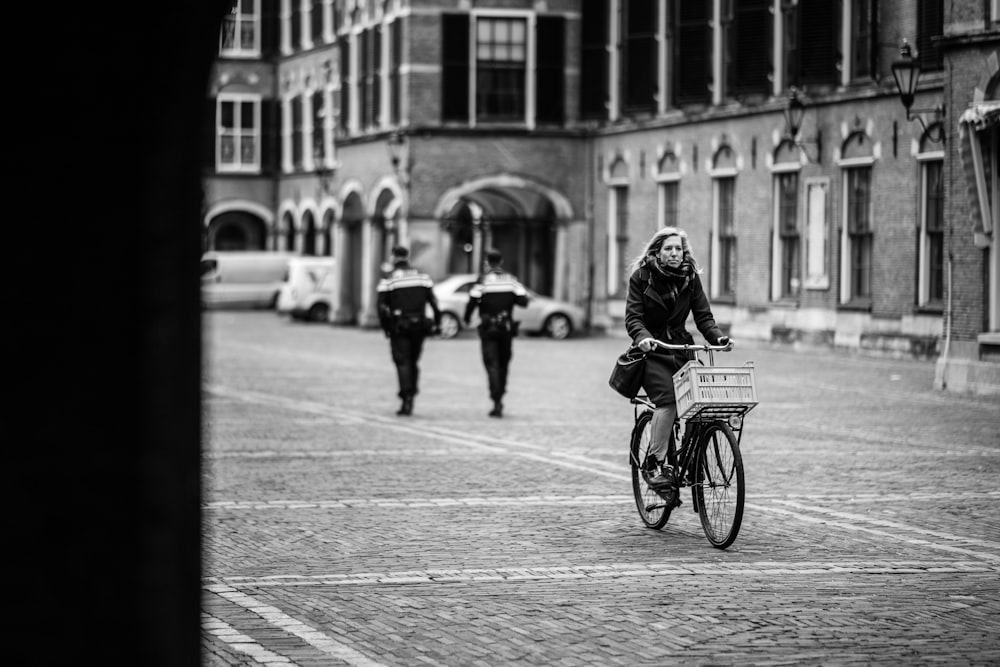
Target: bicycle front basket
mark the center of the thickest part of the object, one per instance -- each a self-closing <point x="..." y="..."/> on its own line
<point x="706" y="393"/>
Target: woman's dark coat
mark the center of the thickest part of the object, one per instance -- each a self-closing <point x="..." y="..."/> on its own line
<point x="651" y="312"/>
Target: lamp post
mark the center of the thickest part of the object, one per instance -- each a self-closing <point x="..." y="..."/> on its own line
<point x="795" y="113"/>
<point x="906" y="72"/>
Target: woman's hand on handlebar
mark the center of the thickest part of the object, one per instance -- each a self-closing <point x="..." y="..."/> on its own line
<point x="646" y="344"/>
<point x="727" y="341"/>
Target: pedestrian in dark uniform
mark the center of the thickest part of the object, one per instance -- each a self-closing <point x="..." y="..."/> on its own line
<point x="495" y="294"/>
<point x="664" y="288"/>
<point x="403" y="297"/>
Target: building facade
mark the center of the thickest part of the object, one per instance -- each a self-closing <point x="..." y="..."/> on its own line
<point x="566" y="132"/>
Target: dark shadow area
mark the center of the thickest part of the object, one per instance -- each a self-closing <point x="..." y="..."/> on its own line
<point x="105" y="387"/>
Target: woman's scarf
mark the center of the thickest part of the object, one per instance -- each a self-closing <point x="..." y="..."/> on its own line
<point x="671" y="280"/>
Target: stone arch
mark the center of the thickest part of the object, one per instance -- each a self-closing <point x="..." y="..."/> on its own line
<point x="786" y="153"/>
<point x="237" y="225"/>
<point x="518" y="216"/>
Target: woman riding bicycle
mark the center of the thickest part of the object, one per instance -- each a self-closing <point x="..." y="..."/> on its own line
<point x="663" y="289"/>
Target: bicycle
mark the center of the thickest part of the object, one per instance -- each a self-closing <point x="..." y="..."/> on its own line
<point x="712" y="402"/>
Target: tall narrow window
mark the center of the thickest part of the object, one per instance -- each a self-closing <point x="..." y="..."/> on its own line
<point x="319" y="123"/>
<point x="376" y="75"/>
<point x="669" y="197"/>
<point x="346" y="82"/>
<point x="316" y="21"/>
<point x="725" y="190"/>
<point x="618" y="242"/>
<point x="692" y="52"/>
<point x="238" y="133"/>
<point x="295" y="24"/>
<point x="639" y="50"/>
<point x="859" y="233"/>
<point x="240" y="29"/>
<point x="594" y="59"/>
<point x="365" y="78"/>
<point x="298" y="135"/>
<point x="501" y="56"/>
<point x="395" y="66"/>
<point x="787" y="205"/>
<point x="932" y="237"/>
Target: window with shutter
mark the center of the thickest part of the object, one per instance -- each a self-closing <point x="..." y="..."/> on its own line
<point x="376" y="75"/>
<point x="295" y="25"/>
<point x="639" y="50"/>
<point x="747" y="47"/>
<point x="298" y="137"/>
<point x="811" y="42"/>
<point x="455" y="68"/>
<point x="594" y="59"/>
<point x="863" y="34"/>
<point x="930" y="25"/>
<point x="270" y="121"/>
<point x="316" y="21"/>
<point x="549" y="70"/>
<point x="395" y="63"/>
<point x="365" y="78"/>
<point x="692" y="52"/>
<point x="270" y="26"/>
<point x="345" y="84"/>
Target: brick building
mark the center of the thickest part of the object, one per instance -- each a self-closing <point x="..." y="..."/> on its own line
<point x="565" y="132"/>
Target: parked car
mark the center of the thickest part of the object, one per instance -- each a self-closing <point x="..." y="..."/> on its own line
<point x="543" y="315"/>
<point x="307" y="291"/>
<point x="242" y="279"/>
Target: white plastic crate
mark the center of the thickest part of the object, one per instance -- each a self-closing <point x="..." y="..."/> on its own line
<point x="714" y="392"/>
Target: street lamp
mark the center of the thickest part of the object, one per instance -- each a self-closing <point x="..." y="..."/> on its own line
<point x="795" y="112"/>
<point x="906" y="72"/>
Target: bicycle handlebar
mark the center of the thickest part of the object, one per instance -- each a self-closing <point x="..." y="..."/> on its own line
<point x="684" y="346"/>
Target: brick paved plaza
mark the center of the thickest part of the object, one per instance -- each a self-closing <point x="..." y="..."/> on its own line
<point x="336" y="533"/>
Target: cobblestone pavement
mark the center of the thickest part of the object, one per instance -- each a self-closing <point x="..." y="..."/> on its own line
<point x="336" y="533"/>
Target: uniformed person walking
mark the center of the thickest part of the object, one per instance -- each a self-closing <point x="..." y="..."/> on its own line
<point x="403" y="297"/>
<point x="495" y="294"/>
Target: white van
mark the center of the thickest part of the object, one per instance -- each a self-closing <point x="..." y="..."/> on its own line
<point x="242" y="279"/>
<point x="307" y="292"/>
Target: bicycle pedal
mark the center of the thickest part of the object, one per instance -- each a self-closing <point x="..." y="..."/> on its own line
<point x="650" y="508"/>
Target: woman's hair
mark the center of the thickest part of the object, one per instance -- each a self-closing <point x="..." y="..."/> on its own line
<point x="654" y="244"/>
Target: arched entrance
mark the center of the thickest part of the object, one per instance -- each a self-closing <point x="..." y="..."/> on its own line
<point x="236" y="230"/>
<point x="385" y="228"/>
<point x="518" y="221"/>
<point x="308" y="234"/>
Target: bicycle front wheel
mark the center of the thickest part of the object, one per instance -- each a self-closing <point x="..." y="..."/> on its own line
<point x="718" y="485"/>
<point x="652" y="509"/>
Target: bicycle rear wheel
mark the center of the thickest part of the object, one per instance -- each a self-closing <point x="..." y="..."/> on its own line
<point x="718" y="485"/>
<point x="652" y="510"/>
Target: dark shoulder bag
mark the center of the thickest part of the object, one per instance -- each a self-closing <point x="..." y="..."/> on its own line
<point x="626" y="376"/>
